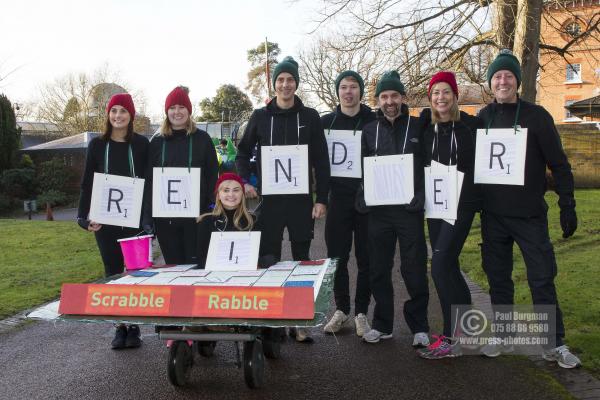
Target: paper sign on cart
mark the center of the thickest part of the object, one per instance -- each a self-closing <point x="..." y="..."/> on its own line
<point x="176" y="192"/>
<point x="284" y="169"/>
<point x="500" y="156"/>
<point x="389" y="179"/>
<point x="344" y="153"/>
<point x="116" y="200"/>
<point x="233" y="251"/>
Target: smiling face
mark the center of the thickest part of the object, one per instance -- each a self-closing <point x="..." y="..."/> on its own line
<point x="119" y="117"/>
<point x="230" y="194"/>
<point x="349" y="93"/>
<point x="442" y="98"/>
<point x="390" y="102"/>
<point x="285" y="86"/>
<point x="178" y="116"/>
<point x="504" y="85"/>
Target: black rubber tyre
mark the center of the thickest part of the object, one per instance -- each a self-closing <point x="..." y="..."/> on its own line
<point x="254" y="364"/>
<point x="179" y="363"/>
<point x="206" y="349"/>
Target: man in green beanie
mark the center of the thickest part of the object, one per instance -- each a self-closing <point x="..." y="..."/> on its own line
<point x="343" y="220"/>
<point x="286" y="121"/>
<point x="513" y="213"/>
<point x="396" y="132"/>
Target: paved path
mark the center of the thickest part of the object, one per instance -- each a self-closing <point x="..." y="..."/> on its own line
<point x="70" y="360"/>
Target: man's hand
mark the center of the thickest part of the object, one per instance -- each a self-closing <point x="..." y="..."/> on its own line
<point x="250" y="191"/>
<point x="417" y="203"/>
<point x="319" y="210"/>
<point x="568" y="221"/>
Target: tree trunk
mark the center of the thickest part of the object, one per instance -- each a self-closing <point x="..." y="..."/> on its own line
<point x="527" y="45"/>
<point x="504" y="23"/>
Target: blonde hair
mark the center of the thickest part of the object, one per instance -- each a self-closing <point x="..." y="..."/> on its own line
<point x="454" y="110"/>
<point x="167" y="130"/>
<point x="240" y="212"/>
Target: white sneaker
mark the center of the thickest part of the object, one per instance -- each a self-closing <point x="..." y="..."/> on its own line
<point x="338" y="319"/>
<point x="496" y="349"/>
<point x="374" y="336"/>
<point x="421" y="339"/>
<point x="563" y="356"/>
<point x="362" y="324"/>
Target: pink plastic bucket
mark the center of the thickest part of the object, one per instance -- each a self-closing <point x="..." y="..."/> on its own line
<point x="137" y="251"/>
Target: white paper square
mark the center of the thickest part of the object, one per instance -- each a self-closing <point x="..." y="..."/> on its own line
<point x="233" y="251"/>
<point x="176" y="192"/>
<point x="500" y="156"/>
<point x="344" y="147"/>
<point x="389" y="179"/>
<point x="116" y="200"/>
<point x="284" y="169"/>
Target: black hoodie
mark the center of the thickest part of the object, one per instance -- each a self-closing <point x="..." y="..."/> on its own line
<point x="337" y="120"/>
<point x="285" y="132"/>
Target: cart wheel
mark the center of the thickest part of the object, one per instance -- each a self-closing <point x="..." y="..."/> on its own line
<point x="179" y="363"/>
<point x="272" y="338"/>
<point x="254" y="364"/>
<point x="206" y="349"/>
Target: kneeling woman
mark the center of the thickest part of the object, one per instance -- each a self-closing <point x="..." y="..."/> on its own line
<point x="119" y="151"/>
<point x="230" y="213"/>
<point x="450" y="140"/>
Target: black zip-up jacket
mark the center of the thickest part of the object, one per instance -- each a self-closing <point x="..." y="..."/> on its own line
<point x="391" y="141"/>
<point x="463" y="153"/>
<point x="204" y="156"/>
<point x="118" y="164"/>
<point x="285" y="132"/>
<point x="337" y="120"/>
<point x="210" y="224"/>
<point x="544" y="148"/>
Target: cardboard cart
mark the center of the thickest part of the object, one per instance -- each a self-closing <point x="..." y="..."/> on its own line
<point x="193" y="317"/>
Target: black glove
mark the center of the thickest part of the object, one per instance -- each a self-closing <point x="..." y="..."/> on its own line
<point x="83" y="223"/>
<point x="148" y="228"/>
<point x="416" y="204"/>
<point x="568" y="221"/>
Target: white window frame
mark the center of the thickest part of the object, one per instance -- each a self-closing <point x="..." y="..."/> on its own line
<point x="573" y="73"/>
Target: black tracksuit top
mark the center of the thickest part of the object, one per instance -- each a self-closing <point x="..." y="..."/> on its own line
<point x="391" y="141"/>
<point x="544" y="148"/>
<point x="463" y="153"/>
<point x="285" y="132"/>
<point x="204" y="156"/>
<point x="118" y="164"/>
<point x="341" y="121"/>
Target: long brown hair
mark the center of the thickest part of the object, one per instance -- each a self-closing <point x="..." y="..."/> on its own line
<point x="108" y="129"/>
<point x="240" y="212"/>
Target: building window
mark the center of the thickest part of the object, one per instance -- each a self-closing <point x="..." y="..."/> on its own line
<point x="573" y="73"/>
<point x="568" y="114"/>
<point x="573" y="29"/>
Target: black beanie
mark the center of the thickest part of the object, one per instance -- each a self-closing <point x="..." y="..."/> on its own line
<point x="287" y="65"/>
<point x="504" y="61"/>
<point x="390" y="80"/>
<point x="351" y="74"/>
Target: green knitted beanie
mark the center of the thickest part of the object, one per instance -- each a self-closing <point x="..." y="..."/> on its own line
<point x="351" y="74"/>
<point x="390" y="80"/>
<point x="288" y="64"/>
<point x="504" y="61"/>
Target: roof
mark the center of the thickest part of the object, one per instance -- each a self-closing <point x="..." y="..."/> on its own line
<point x="79" y="141"/>
<point x="585" y="108"/>
<point x="35" y="127"/>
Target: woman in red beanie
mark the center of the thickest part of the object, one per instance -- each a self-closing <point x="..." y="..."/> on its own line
<point x="230" y="213"/>
<point x="119" y="151"/>
<point x="180" y="144"/>
<point x="449" y="138"/>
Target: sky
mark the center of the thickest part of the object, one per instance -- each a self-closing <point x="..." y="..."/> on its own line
<point x="152" y="45"/>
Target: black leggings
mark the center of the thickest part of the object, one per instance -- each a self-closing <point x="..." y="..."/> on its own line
<point x="177" y="238"/>
<point x="446" y="244"/>
<point x="110" y="249"/>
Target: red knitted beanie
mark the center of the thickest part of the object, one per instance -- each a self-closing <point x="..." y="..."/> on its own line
<point x="443" y="76"/>
<point x="229" y="176"/>
<point x="124" y="100"/>
<point x="178" y="96"/>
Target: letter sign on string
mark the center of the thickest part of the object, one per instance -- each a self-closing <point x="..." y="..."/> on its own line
<point x="500" y="156"/>
<point x="388" y="179"/>
<point x="344" y="153"/>
<point x="442" y="191"/>
<point x="284" y="169"/>
<point x="176" y="192"/>
<point x="233" y="251"/>
<point x="116" y="200"/>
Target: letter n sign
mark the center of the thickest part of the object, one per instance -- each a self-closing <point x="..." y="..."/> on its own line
<point x="116" y="200"/>
<point x="500" y="156"/>
<point x="284" y="169"/>
<point x="176" y="192"/>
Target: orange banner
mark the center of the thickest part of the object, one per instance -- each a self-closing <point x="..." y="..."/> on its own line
<point x="237" y="302"/>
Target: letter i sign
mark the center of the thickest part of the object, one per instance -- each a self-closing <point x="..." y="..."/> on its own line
<point x="500" y="156"/>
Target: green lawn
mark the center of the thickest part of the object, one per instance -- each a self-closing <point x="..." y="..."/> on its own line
<point x="578" y="282"/>
<point x="36" y="257"/>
